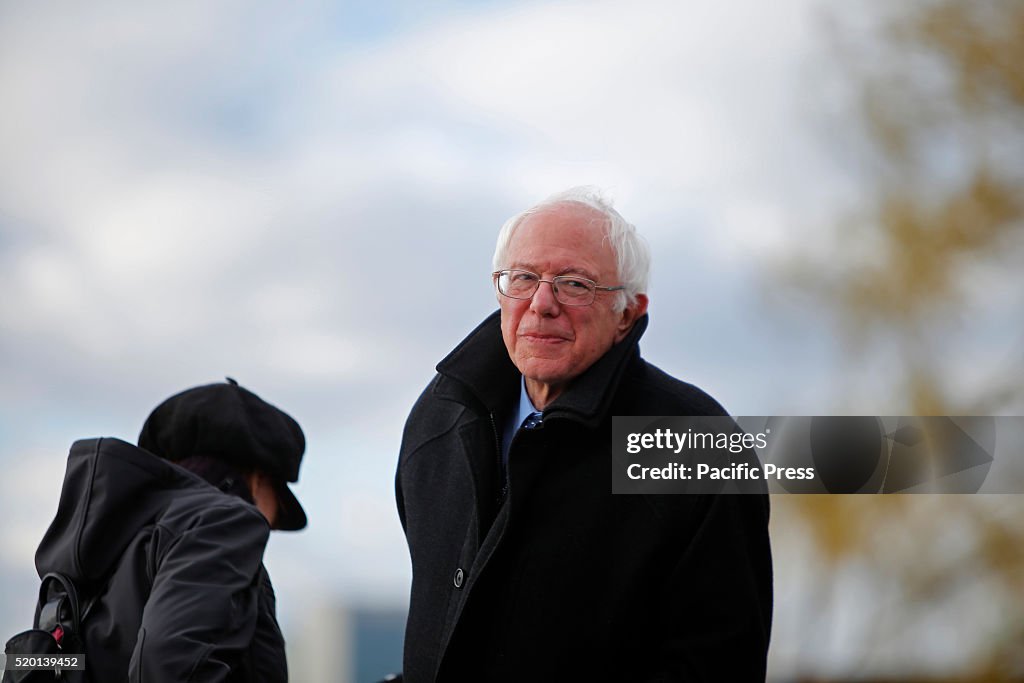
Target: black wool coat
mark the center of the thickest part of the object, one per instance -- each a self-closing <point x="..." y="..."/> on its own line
<point x="554" y="578"/>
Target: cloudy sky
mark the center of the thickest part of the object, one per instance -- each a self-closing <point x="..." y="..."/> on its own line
<point x="304" y="196"/>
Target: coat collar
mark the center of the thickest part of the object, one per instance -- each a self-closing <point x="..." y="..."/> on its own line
<point x="482" y="365"/>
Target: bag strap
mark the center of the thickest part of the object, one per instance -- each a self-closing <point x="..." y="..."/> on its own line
<point x="58" y="604"/>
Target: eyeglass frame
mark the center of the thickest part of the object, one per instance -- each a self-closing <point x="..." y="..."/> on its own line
<point x="496" y="275"/>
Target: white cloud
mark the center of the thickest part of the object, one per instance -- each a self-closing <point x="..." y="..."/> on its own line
<point x="29" y="490"/>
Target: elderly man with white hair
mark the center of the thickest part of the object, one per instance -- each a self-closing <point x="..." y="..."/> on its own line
<point x="525" y="566"/>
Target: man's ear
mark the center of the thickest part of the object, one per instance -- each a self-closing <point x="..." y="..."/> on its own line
<point x="629" y="315"/>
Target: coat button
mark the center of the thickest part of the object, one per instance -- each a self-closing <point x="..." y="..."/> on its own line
<point x="460" y="576"/>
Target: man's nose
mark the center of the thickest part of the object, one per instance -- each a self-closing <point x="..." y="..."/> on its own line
<point x="544" y="301"/>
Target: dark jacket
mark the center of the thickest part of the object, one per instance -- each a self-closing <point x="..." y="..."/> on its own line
<point x="558" y="579"/>
<point x="177" y="566"/>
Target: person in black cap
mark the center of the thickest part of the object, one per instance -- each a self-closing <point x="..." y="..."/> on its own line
<point x="236" y="441"/>
<point x="167" y="551"/>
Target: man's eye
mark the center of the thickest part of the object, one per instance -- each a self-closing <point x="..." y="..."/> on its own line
<point x="523" y="277"/>
<point x="574" y="284"/>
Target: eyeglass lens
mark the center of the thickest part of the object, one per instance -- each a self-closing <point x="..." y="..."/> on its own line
<point x="522" y="284"/>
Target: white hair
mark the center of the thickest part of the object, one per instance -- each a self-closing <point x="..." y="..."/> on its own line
<point x="632" y="257"/>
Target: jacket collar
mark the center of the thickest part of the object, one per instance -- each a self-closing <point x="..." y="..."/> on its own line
<point x="481" y="364"/>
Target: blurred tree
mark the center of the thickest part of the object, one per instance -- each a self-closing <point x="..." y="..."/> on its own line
<point x="939" y="116"/>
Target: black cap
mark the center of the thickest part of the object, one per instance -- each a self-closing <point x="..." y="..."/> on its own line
<point x="228" y="422"/>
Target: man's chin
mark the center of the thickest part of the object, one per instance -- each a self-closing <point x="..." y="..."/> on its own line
<point x="545" y="373"/>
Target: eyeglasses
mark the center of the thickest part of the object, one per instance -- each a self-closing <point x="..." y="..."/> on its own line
<point x="570" y="290"/>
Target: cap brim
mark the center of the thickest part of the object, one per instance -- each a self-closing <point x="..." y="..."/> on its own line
<point x="290" y="515"/>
